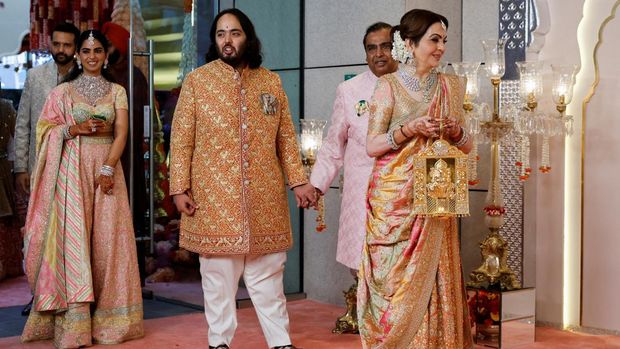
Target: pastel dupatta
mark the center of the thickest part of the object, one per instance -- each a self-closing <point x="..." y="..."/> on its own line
<point x="411" y="292"/>
<point x="57" y="247"/>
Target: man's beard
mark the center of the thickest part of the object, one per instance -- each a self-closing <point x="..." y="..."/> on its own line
<point x="61" y="58"/>
<point x="233" y="60"/>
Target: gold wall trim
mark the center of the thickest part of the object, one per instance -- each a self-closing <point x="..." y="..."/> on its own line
<point x="584" y="106"/>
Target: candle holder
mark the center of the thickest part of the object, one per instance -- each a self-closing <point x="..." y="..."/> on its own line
<point x="311" y="141"/>
<point x="528" y="121"/>
<point x="519" y="123"/>
<point x="475" y="113"/>
<point x="494" y="249"/>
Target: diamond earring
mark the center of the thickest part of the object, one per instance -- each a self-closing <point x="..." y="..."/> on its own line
<point x="79" y="63"/>
<point x="408" y="55"/>
<point x="105" y="64"/>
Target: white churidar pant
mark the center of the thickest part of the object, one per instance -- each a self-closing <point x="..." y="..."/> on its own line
<point x="263" y="277"/>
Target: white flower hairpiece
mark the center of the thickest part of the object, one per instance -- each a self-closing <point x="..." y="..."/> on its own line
<point x="399" y="51"/>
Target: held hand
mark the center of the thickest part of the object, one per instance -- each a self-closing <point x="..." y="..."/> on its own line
<point x="105" y="183"/>
<point x="185" y="204"/>
<point x="423" y="126"/>
<point x="451" y="128"/>
<point x="87" y="127"/>
<point x="22" y="181"/>
<point x="305" y="195"/>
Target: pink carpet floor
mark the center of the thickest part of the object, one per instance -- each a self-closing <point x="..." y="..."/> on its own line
<point x="14" y="291"/>
<point x="311" y="324"/>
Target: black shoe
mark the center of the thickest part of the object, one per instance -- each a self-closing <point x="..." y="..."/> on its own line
<point x="290" y="346"/>
<point x="26" y="310"/>
<point x="221" y="346"/>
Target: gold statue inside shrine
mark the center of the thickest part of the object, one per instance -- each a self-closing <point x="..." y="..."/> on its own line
<point x="440" y="189"/>
<point x="440" y="186"/>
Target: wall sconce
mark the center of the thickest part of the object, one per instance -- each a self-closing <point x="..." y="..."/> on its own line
<point x="562" y="93"/>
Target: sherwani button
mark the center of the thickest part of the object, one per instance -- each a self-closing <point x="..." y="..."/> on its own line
<point x="244" y="108"/>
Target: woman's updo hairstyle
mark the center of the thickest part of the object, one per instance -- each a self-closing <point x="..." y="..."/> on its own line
<point x="414" y="24"/>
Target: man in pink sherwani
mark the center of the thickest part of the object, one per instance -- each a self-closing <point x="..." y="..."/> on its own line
<point x="346" y="144"/>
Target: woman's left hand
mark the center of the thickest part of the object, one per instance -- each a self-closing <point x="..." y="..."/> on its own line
<point x="451" y="127"/>
<point x="105" y="183"/>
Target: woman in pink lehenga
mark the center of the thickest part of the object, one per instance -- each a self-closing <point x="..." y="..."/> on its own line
<point x="80" y="250"/>
<point x="411" y="292"/>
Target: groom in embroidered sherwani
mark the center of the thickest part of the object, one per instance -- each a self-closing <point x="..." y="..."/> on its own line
<point x="345" y="144"/>
<point x="232" y="144"/>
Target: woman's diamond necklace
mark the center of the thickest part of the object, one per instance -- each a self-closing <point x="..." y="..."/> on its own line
<point x="92" y="87"/>
<point x="414" y="84"/>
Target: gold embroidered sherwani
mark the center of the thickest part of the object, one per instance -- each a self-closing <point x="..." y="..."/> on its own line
<point x="232" y="143"/>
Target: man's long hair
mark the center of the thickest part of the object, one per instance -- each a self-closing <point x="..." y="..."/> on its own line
<point x="251" y="55"/>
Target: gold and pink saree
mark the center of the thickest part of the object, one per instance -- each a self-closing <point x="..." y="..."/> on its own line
<point x="411" y="292"/>
<point x="80" y="249"/>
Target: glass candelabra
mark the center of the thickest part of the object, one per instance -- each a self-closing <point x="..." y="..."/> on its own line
<point x="519" y="123"/>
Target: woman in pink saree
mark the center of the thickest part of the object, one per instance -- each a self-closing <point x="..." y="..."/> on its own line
<point x="411" y="292"/>
<point x="80" y="251"/>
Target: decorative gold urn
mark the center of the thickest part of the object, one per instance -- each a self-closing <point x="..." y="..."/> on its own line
<point x="347" y="323"/>
<point x="494" y="269"/>
<point x="440" y="187"/>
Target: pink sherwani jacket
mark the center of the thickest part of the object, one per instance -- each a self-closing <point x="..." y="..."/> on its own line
<point x="345" y="145"/>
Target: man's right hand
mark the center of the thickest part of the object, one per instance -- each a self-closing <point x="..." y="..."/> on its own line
<point x="22" y="181"/>
<point x="185" y="204"/>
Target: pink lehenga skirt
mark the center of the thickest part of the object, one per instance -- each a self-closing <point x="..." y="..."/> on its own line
<point x="116" y="313"/>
